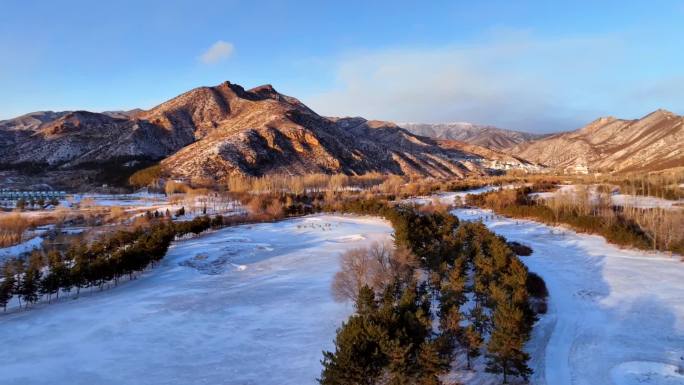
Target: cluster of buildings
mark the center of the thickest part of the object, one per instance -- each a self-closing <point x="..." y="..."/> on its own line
<point x="9" y="198"/>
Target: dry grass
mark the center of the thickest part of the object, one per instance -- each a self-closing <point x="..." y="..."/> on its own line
<point x="12" y="228"/>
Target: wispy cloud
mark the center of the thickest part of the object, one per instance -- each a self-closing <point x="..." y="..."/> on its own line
<point x="218" y="52"/>
<point x="515" y="80"/>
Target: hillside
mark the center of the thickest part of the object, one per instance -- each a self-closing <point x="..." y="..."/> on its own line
<point x="484" y="136"/>
<point x="492" y="159"/>
<point x="654" y="142"/>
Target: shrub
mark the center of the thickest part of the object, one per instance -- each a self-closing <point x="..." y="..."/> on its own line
<point x="520" y="249"/>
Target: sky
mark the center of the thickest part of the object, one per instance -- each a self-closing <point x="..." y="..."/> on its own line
<point x="537" y="66"/>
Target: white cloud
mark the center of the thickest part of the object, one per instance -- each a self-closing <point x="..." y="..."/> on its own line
<point x="515" y="81"/>
<point x="218" y="51"/>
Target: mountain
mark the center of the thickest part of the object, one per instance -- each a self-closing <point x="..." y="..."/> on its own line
<point x="654" y="142"/>
<point x="214" y="132"/>
<point x="491" y="159"/>
<point x="260" y="131"/>
<point x="485" y="136"/>
<point x="67" y="139"/>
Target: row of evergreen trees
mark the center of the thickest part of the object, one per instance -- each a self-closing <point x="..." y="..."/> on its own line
<point x="499" y="318"/>
<point x="476" y="284"/>
<point x="123" y="253"/>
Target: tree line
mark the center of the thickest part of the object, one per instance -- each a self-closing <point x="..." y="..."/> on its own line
<point x="641" y="228"/>
<point x="123" y="253"/>
<point x="464" y="276"/>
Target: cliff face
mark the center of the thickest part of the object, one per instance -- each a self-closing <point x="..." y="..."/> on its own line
<point x="653" y="142"/>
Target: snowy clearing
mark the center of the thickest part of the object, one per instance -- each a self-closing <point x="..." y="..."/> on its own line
<point x="615" y="316"/>
<point x="450" y="197"/>
<point x="638" y="201"/>
<point x="243" y="305"/>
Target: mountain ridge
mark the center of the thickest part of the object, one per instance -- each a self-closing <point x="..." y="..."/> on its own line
<point x="214" y="132"/>
<point x="653" y="142"/>
<point x="478" y="134"/>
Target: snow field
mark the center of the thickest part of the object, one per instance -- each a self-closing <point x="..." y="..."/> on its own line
<point x="242" y="305"/>
<point x="615" y="316"/>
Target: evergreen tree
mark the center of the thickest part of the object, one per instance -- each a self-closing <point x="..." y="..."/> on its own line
<point x="358" y="357"/>
<point x="430" y="365"/>
<point x="505" y="348"/>
<point x="7" y="286"/>
<point x="365" y="302"/>
<point x="30" y="284"/>
<point x="479" y="320"/>
<point x="471" y="341"/>
<point x="52" y="281"/>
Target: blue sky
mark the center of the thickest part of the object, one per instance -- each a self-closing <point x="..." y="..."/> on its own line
<point x="538" y="66"/>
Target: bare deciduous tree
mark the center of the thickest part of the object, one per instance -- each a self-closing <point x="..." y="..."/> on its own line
<point x="374" y="266"/>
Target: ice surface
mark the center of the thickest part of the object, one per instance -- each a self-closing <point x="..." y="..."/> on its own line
<point x="242" y="305"/>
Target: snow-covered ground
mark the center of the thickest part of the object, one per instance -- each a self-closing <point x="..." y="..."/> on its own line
<point x="638" y="201"/>
<point x="615" y="316"/>
<point x="252" y="305"/>
<point x="24" y="247"/>
<point x="242" y="305"/>
<point x="450" y="196"/>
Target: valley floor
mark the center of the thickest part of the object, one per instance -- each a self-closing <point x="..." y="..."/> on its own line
<point x="242" y="305"/>
<point x="252" y="305"/>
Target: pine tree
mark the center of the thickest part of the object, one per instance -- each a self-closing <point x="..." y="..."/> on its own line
<point x="450" y="322"/>
<point x="505" y="348"/>
<point x="365" y="302"/>
<point x="51" y="282"/>
<point x="479" y="319"/>
<point x="358" y="356"/>
<point x="7" y="286"/>
<point x="471" y="341"/>
<point x="430" y="365"/>
<point x="30" y="284"/>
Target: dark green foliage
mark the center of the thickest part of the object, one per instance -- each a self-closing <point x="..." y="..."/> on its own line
<point x="520" y="249"/>
<point x="389" y="338"/>
<point x="505" y="348"/>
<point x="451" y="253"/>
<point x="358" y="356"/>
<point x="105" y="260"/>
<point x="8" y="285"/>
<point x="536" y="286"/>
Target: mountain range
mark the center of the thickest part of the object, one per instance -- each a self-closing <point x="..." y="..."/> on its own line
<point x="608" y="144"/>
<point x="482" y="135"/>
<point x="215" y="132"/>
<point x="211" y="133"/>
